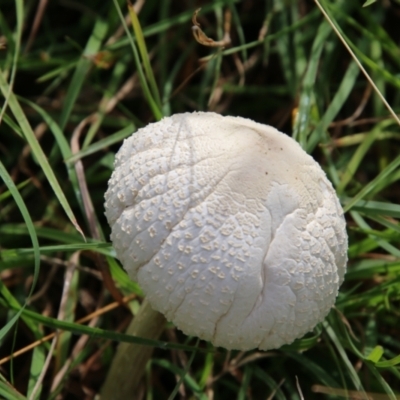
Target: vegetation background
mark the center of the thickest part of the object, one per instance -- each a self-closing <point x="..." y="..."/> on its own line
<point x="73" y="87"/>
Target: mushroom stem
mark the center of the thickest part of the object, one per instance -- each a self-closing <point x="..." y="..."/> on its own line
<point x="129" y="363"/>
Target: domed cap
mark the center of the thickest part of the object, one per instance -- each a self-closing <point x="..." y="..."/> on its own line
<point x="234" y="232"/>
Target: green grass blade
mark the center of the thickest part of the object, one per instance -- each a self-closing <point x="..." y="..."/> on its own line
<point x="14" y="304"/>
<point x="84" y="64"/>
<point x="7" y="327"/>
<point x="315" y="369"/>
<point x="187" y="379"/>
<point x="389" y="363"/>
<point x="63" y="146"/>
<point x="246" y="379"/>
<point x="376" y="240"/>
<point x="145" y="87"/>
<point x="372" y="184"/>
<point x="9" y="121"/>
<point x="352" y="49"/>
<point x="284" y="46"/>
<point x="102" y="333"/>
<point x="375" y="355"/>
<point x="101" y="144"/>
<point x="8" y="392"/>
<point x="343" y="355"/>
<point x="62" y="70"/>
<point x="341" y="95"/>
<point x="193" y="385"/>
<point x="301" y="126"/>
<point x="118" y="73"/>
<point x="237" y="24"/>
<point x="38" y="152"/>
<point x="218" y="58"/>
<point x="144" y="55"/>
<point x="377" y="208"/>
<point x="357" y="158"/>
<point x="19" y="6"/>
<point x="207" y="369"/>
<point x="42" y="232"/>
<point x="37" y="363"/>
<point x="369" y="2"/>
<point x="101" y="247"/>
<point x="388" y="390"/>
<point x="53" y="126"/>
<point x="267" y="379"/>
<point x="28" y="221"/>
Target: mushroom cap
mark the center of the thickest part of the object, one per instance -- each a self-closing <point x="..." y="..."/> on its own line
<point x="234" y="233"/>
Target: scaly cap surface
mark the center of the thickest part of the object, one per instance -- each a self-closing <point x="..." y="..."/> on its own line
<point x="231" y="229"/>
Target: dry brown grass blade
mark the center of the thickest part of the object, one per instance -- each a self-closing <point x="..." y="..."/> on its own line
<point x="69" y="272"/>
<point x="87" y="318"/>
<point x="89" y="209"/>
<point x="41" y="8"/>
<point x="360" y="108"/>
<point x="299" y="388"/>
<point x="78" y="347"/>
<point x="272" y="395"/>
<point x="204" y="40"/>
<point x="363" y="70"/>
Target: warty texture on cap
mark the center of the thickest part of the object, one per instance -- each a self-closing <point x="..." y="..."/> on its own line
<point x="234" y="233"/>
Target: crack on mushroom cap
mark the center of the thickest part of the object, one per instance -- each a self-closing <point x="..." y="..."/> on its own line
<point x="275" y="337"/>
<point x="214" y="267"/>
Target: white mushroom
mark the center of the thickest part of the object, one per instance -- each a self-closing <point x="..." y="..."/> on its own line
<point x="234" y="232"/>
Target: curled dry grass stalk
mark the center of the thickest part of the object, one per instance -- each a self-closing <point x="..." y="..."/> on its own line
<point x="68" y="68"/>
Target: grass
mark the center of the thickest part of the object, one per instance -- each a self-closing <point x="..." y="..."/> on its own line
<point x="81" y="82"/>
